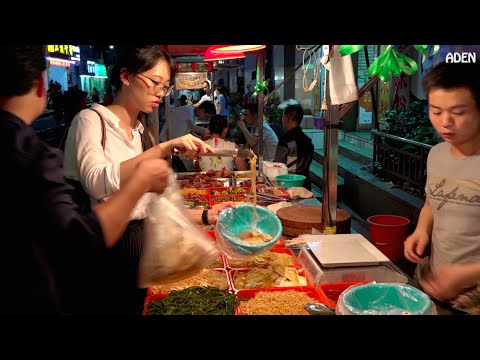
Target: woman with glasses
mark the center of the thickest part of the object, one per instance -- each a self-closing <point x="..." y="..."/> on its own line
<point x="103" y="146"/>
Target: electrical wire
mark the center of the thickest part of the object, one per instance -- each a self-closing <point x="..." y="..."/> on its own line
<point x="311" y="54"/>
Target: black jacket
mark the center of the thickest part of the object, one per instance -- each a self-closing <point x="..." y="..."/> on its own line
<point x="296" y="150"/>
<point x="48" y="240"/>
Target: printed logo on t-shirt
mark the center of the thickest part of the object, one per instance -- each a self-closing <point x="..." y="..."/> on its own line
<point x="456" y="191"/>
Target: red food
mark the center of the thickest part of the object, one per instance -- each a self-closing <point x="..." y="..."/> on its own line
<point x="333" y="294"/>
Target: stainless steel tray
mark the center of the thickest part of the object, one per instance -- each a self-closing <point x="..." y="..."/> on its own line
<point x="238" y="174"/>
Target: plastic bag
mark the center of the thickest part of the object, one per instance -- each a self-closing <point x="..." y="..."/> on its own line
<point x="384" y="299"/>
<point x="174" y="248"/>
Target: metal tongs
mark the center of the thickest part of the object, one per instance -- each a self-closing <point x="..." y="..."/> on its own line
<point x="240" y="153"/>
<point x="318" y="309"/>
<point x="267" y="198"/>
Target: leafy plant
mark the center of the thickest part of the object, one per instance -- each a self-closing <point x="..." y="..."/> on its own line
<point x="412" y="124"/>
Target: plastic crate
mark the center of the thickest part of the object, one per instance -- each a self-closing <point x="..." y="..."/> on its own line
<point x="155" y="297"/>
<point x="231" y="277"/>
<point x="224" y="271"/>
<point x="274" y="249"/>
<point x="333" y="290"/>
<point x="311" y="291"/>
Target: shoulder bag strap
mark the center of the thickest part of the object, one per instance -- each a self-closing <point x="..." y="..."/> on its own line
<point x="104" y="131"/>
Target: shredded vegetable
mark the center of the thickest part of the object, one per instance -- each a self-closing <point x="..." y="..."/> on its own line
<point x="195" y="300"/>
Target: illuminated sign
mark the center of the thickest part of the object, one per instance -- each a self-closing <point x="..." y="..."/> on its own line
<point x="100" y="70"/>
<point x="68" y="52"/>
<point x="90" y="67"/>
<point x="60" y="63"/>
<point x="96" y="69"/>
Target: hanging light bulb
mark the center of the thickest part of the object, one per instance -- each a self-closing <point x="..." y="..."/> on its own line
<point x="237" y="48"/>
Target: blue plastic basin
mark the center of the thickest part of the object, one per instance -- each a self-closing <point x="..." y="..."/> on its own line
<point x="290" y="180"/>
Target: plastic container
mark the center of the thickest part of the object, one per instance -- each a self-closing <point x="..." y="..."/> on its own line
<point x="290" y="180"/>
<point x="272" y="169"/>
<point x="384" y="299"/>
<point x="153" y="291"/>
<point x="246" y="294"/>
<point x="387" y="233"/>
<point x="332" y="291"/>
<point x="154" y="297"/>
<point x="384" y="273"/>
<point x="233" y="221"/>
<point x="231" y="277"/>
<point x="281" y="250"/>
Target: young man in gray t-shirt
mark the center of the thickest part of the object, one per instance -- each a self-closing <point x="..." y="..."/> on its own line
<point x="450" y="219"/>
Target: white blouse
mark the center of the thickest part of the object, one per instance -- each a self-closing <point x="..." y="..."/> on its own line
<point x="99" y="170"/>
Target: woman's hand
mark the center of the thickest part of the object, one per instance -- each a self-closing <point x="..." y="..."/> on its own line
<point x="189" y="145"/>
<point x="154" y="174"/>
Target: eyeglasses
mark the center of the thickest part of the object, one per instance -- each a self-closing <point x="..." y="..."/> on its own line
<point x="158" y="87"/>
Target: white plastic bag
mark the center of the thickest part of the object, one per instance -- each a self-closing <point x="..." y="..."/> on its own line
<point x="174" y="248"/>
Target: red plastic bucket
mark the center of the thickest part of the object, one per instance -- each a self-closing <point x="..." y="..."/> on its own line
<point x="387" y="233"/>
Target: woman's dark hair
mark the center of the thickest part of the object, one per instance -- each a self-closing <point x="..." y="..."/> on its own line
<point x="217" y="124"/>
<point x="22" y="66"/>
<point x="454" y="75"/>
<point x="137" y="59"/>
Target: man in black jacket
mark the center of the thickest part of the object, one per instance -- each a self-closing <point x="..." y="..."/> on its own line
<point x="295" y="149"/>
<point x="49" y="238"/>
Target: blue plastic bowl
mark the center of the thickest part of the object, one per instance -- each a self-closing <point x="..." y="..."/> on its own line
<point x="386" y="298"/>
<point x="232" y="221"/>
<point x="290" y="180"/>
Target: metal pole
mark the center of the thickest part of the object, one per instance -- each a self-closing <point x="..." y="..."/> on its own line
<point x="330" y="164"/>
<point x="167" y="123"/>
<point x="155" y="126"/>
<point x="260" y="97"/>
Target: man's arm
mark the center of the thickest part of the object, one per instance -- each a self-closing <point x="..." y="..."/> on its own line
<point x="425" y="219"/>
<point x="281" y="154"/>
<point x="195" y="128"/>
<point x="251" y="139"/>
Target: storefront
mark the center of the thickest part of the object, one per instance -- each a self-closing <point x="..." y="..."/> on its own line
<point x="94" y="76"/>
<point x="63" y="65"/>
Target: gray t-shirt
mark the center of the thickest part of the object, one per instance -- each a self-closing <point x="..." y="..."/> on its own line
<point x="270" y="142"/>
<point x="453" y="189"/>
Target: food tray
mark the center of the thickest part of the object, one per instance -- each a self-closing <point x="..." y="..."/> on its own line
<point x="274" y="249"/>
<point x="251" y="293"/>
<point x="231" y="276"/>
<point x="229" y="287"/>
<point x="332" y="291"/>
<point x="154" y="297"/>
<point x="276" y="191"/>
<point x="228" y="190"/>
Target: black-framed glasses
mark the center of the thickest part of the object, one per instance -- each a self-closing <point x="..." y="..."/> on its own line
<point x="158" y="87"/>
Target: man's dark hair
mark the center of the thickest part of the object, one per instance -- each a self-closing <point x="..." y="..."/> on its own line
<point x="295" y="111"/>
<point x="454" y="75"/>
<point x="253" y="108"/>
<point x="22" y="65"/>
<point x="182" y="99"/>
<point x="217" y="124"/>
<point x="208" y="107"/>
